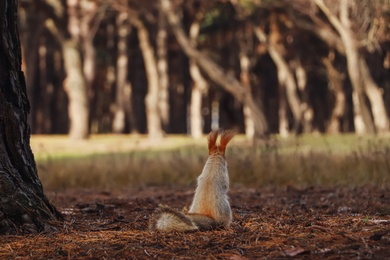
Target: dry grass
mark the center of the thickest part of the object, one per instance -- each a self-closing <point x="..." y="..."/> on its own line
<point x="111" y="161"/>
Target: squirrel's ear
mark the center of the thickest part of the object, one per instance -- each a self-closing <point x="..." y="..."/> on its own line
<point x="212" y="138"/>
<point x="226" y="136"/>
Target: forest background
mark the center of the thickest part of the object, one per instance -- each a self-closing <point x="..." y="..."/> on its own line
<point x="168" y="67"/>
<point x="307" y="82"/>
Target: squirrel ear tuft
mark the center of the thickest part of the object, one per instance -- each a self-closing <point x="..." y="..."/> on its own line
<point x="212" y="139"/>
<point x="226" y="136"/>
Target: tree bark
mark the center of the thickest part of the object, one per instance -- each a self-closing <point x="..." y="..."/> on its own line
<point x="23" y="205"/>
<point x="152" y="97"/>
<point x="215" y="73"/>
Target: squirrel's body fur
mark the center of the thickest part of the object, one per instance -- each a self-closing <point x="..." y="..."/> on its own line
<point x="210" y="207"/>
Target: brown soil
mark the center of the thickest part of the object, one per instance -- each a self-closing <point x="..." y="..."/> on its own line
<point x="273" y="223"/>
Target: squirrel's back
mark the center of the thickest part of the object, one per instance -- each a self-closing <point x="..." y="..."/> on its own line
<point x="210" y="207"/>
<point x="210" y="197"/>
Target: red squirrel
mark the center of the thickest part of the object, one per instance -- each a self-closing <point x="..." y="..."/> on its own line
<point x="210" y="207"/>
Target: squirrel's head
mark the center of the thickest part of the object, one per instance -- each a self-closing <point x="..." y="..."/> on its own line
<point x="226" y="136"/>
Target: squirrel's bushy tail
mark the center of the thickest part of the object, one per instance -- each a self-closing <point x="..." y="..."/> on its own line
<point x="167" y="219"/>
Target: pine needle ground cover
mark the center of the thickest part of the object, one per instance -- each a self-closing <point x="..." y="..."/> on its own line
<point x="306" y="198"/>
<point x="269" y="223"/>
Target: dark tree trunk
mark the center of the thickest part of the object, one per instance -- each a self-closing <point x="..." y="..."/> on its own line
<point x="23" y="205"/>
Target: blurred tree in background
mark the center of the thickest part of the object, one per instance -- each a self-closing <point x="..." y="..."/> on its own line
<point x="175" y="66"/>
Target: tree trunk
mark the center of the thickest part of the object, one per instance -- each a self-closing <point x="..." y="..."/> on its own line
<point x="199" y="87"/>
<point x="375" y="95"/>
<point x="336" y="86"/>
<point x="307" y="112"/>
<point x="162" y="67"/>
<point x="75" y="84"/>
<point x="123" y="86"/>
<point x="75" y="88"/>
<point x="87" y="33"/>
<point x="215" y="72"/>
<point x="246" y="82"/>
<point x="23" y="205"/>
<point x="196" y="126"/>
<point x="152" y="97"/>
<point x="89" y="23"/>
<point x="67" y="33"/>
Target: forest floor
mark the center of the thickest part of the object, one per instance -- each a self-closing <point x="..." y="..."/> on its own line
<point x="323" y="197"/>
<point x="269" y="223"/>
